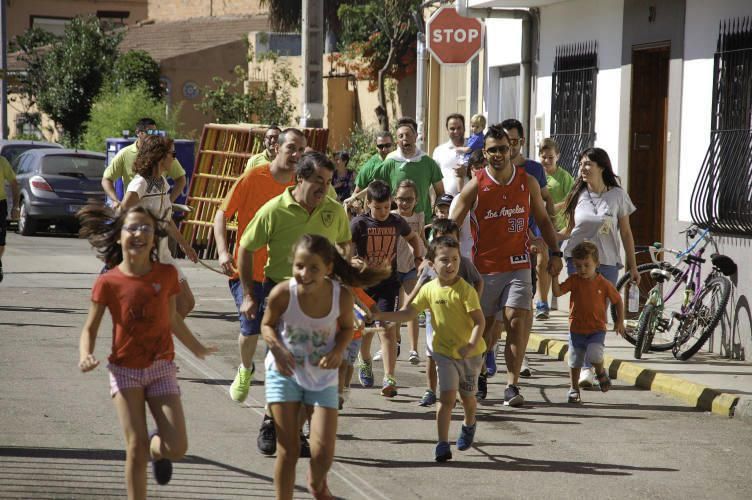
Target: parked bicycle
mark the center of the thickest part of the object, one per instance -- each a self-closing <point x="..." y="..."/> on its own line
<point x="676" y="309"/>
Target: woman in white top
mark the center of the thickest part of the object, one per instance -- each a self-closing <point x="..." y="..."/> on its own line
<point x="149" y="189"/>
<point x="308" y="324"/>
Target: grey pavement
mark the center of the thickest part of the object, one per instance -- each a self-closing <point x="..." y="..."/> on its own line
<point x="59" y="435"/>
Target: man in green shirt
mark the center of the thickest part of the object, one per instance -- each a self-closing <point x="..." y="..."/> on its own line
<point x="385" y="145"/>
<point x="271" y="139"/>
<point x="7" y="175"/>
<point x="122" y="166"/>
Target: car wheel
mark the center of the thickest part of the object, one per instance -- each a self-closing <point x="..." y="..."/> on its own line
<point x="26" y="225"/>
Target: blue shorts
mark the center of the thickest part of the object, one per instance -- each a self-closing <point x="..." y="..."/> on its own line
<point x="351" y="353"/>
<point x="260" y="291"/>
<point x="586" y="346"/>
<point x="281" y="389"/>
<point x="410" y="275"/>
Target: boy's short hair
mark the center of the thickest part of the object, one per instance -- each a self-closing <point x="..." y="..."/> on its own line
<point x="479" y="119"/>
<point x="444" y="227"/>
<point x="548" y="144"/>
<point x="444" y="199"/>
<point x="584" y="250"/>
<point x="441" y="242"/>
<point x="378" y="191"/>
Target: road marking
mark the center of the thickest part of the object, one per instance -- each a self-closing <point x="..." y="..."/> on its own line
<point x="212" y="374"/>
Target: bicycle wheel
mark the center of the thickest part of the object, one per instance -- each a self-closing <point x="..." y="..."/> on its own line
<point x="643" y="328"/>
<point x="663" y="339"/>
<point x="705" y="314"/>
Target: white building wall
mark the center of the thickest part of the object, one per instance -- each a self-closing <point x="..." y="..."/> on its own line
<point x="582" y="21"/>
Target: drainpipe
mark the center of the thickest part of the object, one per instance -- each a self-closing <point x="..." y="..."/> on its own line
<point x="526" y="57"/>
<point x="420" y="77"/>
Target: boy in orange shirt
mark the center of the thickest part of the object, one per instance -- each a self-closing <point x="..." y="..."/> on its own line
<point x="587" y="316"/>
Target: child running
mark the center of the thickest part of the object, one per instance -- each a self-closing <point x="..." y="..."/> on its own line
<point x="375" y="236"/>
<point x="587" y="316"/>
<point x="468" y="272"/>
<point x="316" y="317"/>
<point x="140" y="294"/>
<point x="406" y="197"/>
<point x="457" y="342"/>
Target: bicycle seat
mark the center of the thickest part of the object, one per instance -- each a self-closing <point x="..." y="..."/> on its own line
<point x="660" y="275"/>
<point x="724" y="264"/>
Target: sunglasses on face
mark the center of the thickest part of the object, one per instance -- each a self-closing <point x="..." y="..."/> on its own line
<point x="135" y="228"/>
<point x="385" y="146"/>
<point x="497" y="150"/>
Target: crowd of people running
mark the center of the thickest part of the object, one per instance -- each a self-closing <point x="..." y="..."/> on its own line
<point x="325" y="259"/>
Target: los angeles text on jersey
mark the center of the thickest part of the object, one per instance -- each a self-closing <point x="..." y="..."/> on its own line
<point x="504" y="212"/>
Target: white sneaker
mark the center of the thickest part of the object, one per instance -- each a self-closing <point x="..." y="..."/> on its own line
<point x="377" y="356"/>
<point x="525" y="369"/>
<point x="413" y="358"/>
<point x="587" y="378"/>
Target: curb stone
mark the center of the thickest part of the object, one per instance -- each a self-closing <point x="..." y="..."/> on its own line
<point x="697" y="395"/>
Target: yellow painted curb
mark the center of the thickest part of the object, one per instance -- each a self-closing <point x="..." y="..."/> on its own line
<point x="697" y="395"/>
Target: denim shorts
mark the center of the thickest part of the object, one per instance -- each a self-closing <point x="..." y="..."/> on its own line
<point x="260" y="291"/>
<point x="410" y="275"/>
<point x="281" y="389"/>
<point x="586" y="346"/>
<point x="159" y="379"/>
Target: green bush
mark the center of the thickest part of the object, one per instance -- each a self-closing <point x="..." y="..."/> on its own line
<point x="115" y="111"/>
<point x="134" y="68"/>
<point x="362" y="146"/>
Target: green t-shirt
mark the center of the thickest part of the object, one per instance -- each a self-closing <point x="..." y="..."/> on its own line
<point x="257" y="160"/>
<point x="281" y="221"/>
<point x="122" y="166"/>
<point x="450" y="307"/>
<point x="6" y="175"/>
<point x="559" y="186"/>
<point x="424" y="172"/>
<point x="365" y="172"/>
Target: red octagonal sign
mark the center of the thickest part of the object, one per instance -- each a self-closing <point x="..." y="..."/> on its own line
<point x="451" y="38"/>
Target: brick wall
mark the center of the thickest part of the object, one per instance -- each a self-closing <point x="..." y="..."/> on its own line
<point x="173" y="10"/>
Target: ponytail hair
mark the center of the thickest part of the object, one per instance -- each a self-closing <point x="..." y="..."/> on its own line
<point x="102" y="226"/>
<point x="342" y="270"/>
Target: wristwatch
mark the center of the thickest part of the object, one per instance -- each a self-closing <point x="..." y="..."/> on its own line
<point x="557" y="253"/>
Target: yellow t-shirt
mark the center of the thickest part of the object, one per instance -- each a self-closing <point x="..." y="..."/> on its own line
<point x="122" y="166"/>
<point x="6" y="175"/>
<point x="257" y="160"/>
<point x="450" y="307"/>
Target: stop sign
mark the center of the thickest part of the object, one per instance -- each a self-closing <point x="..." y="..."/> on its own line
<point x="451" y="38"/>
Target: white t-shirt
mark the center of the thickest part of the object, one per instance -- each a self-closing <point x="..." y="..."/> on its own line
<point x="309" y="340"/>
<point x="154" y="195"/>
<point x="447" y="157"/>
<point x="466" y="234"/>
<point x="596" y="219"/>
<point x="405" y="257"/>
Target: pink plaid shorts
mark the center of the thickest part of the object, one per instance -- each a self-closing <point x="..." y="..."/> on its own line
<point x="159" y="379"/>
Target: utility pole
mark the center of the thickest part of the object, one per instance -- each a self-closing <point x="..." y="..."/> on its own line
<point x="420" y="76"/>
<point x="313" y="57"/>
<point x="3" y="72"/>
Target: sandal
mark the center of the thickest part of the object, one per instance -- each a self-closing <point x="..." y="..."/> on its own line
<point x="603" y="381"/>
<point x="574" y="396"/>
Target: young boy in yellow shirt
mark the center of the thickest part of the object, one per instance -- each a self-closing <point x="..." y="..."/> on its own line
<point x="457" y="342"/>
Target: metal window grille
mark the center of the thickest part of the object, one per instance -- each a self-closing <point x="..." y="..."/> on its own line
<point x="722" y="195"/>
<point x="573" y="101"/>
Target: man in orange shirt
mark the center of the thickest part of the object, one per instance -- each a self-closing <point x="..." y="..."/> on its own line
<point x="249" y="193"/>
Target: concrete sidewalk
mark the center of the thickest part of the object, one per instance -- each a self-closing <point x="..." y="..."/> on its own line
<point x="707" y="381"/>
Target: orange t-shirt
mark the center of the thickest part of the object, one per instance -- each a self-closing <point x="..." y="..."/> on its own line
<point x="140" y="307"/>
<point x="588" y="302"/>
<point x="249" y="193"/>
<point x="367" y="301"/>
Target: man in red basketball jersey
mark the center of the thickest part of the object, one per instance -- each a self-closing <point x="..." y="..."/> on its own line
<point x="502" y="196"/>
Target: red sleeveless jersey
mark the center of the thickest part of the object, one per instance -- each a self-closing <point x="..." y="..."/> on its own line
<point x="501" y="214"/>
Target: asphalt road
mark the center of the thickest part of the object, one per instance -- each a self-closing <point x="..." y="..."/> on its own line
<point x="59" y="435"/>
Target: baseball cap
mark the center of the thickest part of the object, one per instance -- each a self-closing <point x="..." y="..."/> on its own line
<point x="444" y="199"/>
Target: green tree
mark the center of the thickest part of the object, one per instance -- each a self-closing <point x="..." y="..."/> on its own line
<point x="31" y="47"/>
<point x="116" y="110"/>
<point x="136" y="68"/>
<point x="72" y="73"/>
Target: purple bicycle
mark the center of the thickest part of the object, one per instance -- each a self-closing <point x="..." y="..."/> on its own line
<point x="674" y="308"/>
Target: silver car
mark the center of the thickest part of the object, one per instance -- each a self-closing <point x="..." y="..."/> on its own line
<point x="55" y="184"/>
<point x="12" y="148"/>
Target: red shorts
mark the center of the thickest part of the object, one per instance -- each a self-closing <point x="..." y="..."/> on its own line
<point x="159" y="379"/>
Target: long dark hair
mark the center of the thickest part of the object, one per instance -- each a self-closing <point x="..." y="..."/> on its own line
<point x="153" y="149"/>
<point x="342" y="270"/>
<point x="600" y="157"/>
<point x="101" y="226"/>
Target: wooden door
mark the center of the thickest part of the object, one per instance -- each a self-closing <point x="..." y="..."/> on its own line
<point x="647" y="136"/>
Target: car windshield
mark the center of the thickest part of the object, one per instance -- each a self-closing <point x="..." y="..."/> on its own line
<point x="73" y="165"/>
<point x="11" y="152"/>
